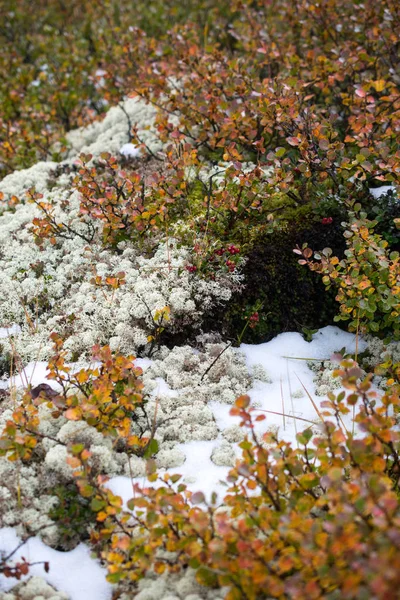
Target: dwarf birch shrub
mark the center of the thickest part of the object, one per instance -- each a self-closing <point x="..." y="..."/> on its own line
<point x="107" y="397"/>
<point x="263" y="118"/>
<point x="367" y="279"/>
<point x="321" y="520"/>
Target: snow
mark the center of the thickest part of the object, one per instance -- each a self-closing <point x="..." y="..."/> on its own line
<point x="131" y="151"/>
<point x="9" y="331"/>
<point x="285" y="359"/>
<point x="143" y="363"/>
<point x="162" y="388"/>
<point x="380" y="191"/>
<point x="74" y="572"/>
<point x="198" y="472"/>
<point x="32" y="374"/>
<point x="282" y="358"/>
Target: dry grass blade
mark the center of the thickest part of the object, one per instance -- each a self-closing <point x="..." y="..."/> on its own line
<point x="305" y="358"/>
<point x="274" y="412"/>
<point x="311" y="399"/>
<point x="316" y="407"/>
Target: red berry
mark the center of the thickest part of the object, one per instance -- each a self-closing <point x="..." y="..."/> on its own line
<point x="231" y="265"/>
<point x="254" y="319"/>
<point x="191" y="268"/>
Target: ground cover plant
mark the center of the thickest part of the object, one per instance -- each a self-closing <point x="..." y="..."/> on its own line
<point x="182" y="183"/>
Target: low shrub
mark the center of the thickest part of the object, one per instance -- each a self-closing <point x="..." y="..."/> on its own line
<point x="290" y="298"/>
<point x="367" y="279"/>
<point x="107" y="397"/>
<point x="317" y="521"/>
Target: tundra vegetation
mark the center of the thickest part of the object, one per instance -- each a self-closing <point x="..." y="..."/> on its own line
<point x="181" y="177"/>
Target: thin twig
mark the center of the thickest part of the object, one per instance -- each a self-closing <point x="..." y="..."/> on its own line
<point x="214" y="361"/>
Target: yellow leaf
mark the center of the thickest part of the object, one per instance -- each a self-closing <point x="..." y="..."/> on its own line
<point x="82" y="376"/>
<point x="73" y="414"/>
<point x="379" y="85"/>
<point x="159" y="568"/>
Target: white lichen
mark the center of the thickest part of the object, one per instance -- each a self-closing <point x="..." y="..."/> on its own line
<point x="113" y="131"/>
<point x="224" y="455"/>
<point x="324" y="380"/>
<point x="34" y="588"/>
<point x="233" y="434"/>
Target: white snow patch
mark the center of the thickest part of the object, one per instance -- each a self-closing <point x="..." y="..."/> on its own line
<point x="9" y="331"/>
<point x="383" y="189"/>
<point x="198" y="472"/>
<point x="282" y="358"/>
<point x="163" y="389"/>
<point x="143" y="363"/>
<point x="74" y="572"/>
<point x="32" y="374"/>
<point x="131" y="151"/>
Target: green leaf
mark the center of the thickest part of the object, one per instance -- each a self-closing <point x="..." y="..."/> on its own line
<point x="151" y="449"/>
<point x="97" y="504"/>
<point x="77" y="449"/>
<point x="206" y="577"/>
<point x="305" y="436"/>
<point x="114" y="577"/>
<point x="175" y="478"/>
